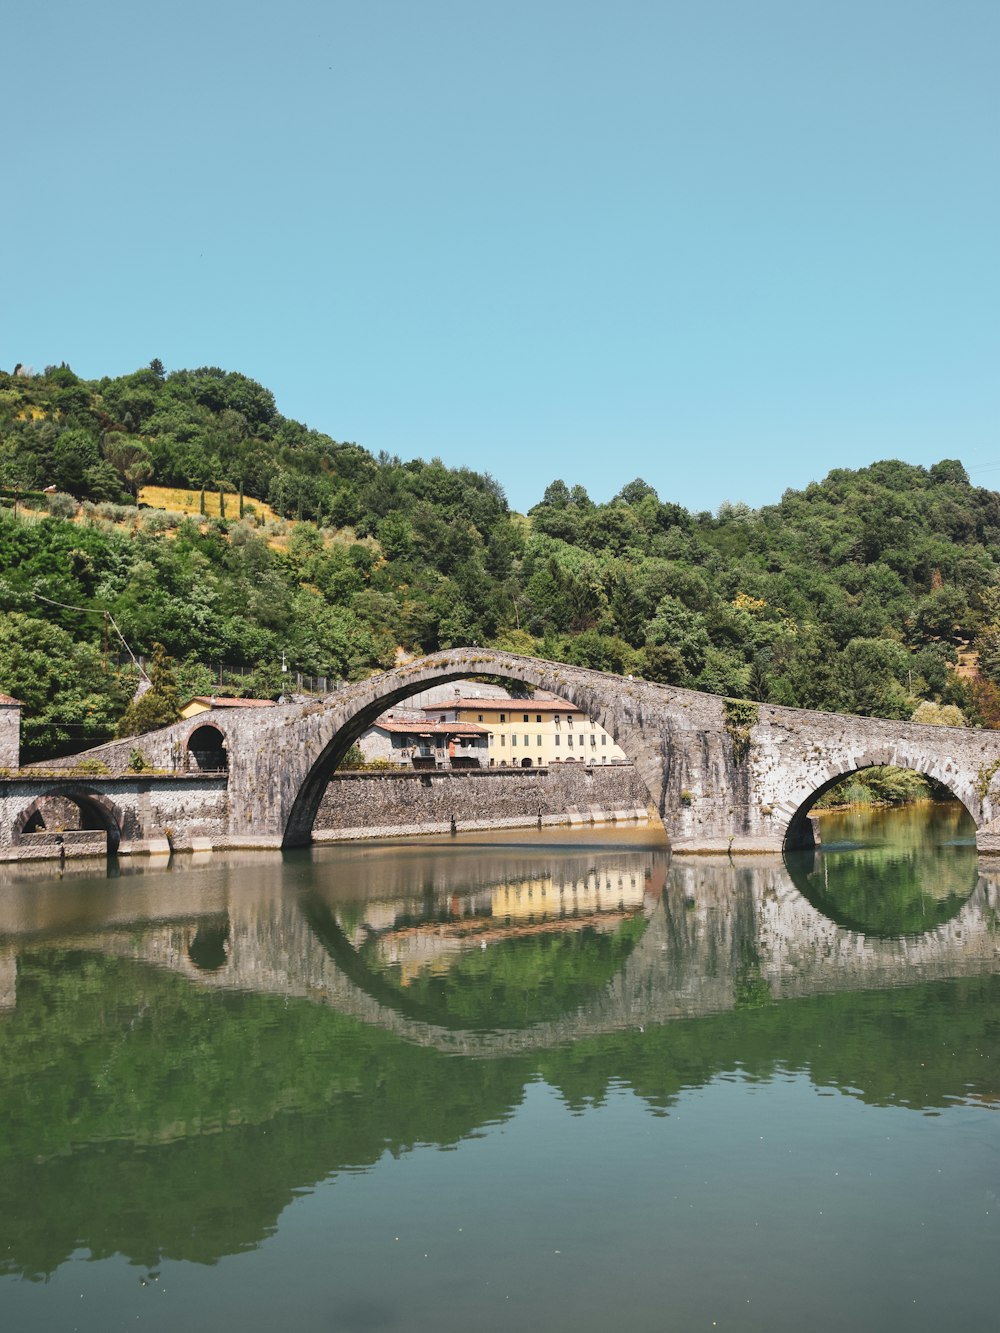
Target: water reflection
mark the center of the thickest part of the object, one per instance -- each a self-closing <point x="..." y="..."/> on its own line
<point x="511" y="953"/>
<point x="889" y="873"/>
<point x="182" y="1055"/>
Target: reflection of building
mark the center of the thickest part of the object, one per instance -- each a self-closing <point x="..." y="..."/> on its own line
<point x="534" y="900"/>
<point x="514" y="910"/>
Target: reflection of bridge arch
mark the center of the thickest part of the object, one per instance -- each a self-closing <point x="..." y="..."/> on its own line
<point x="329" y="933"/>
<point x="955" y="879"/>
<point x="803" y="952"/>
<point x="719" y="925"/>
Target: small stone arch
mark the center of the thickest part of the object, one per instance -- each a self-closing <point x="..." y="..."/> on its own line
<point x="799" y="831"/>
<point x="96" y="812"/>
<point x="527" y="762"/>
<point x="206" y="749"/>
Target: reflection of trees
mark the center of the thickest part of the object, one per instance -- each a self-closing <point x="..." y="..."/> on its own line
<point x="178" y="1123"/>
<point x="528" y="979"/>
<point x="895" y="877"/>
<point x="160" y="1121"/>
<point x="163" y="1116"/>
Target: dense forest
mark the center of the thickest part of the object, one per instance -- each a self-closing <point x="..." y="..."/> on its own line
<point x="856" y="593"/>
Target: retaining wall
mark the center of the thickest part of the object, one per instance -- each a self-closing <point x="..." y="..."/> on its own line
<point x="378" y="805"/>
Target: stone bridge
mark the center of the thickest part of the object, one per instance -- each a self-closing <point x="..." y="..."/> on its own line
<point x="725" y="776"/>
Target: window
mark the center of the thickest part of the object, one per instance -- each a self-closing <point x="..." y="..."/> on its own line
<point x="527" y="740"/>
<point x="557" y="741"/>
<point x="503" y="741"/>
<point x="513" y="740"/>
<point x="490" y="739"/>
<point x="480" y="717"/>
<point x="593" y="742"/>
<point x="569" y="742"/>
<point x="503" y="717"/>
<point x="538" y="717"/>
<point x="539" y="740"/>
<point x="604" y="739"/>
<point x="526" y="717"/>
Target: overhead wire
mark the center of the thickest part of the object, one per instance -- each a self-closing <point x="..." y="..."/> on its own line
<point x="108" y="619"/>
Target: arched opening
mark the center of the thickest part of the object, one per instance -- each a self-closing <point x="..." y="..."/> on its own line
<point x="870" y="784"/>
<point x="69" y="822"/>
<point x="526" y="763"/>
<point x="206" y="750"/>
<point x="591" y="701"/>
<point x="891" y="852"/>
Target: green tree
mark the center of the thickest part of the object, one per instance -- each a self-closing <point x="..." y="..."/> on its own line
<point x="70" y="699"/>
<point x="160" y="705"/>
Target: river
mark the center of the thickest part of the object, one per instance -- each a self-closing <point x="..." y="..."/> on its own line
<point x="546" y="1081"/>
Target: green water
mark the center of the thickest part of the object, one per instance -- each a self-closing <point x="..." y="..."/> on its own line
<point x="529" y="1081"/>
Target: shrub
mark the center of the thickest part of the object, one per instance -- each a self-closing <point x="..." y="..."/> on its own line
<point x="61" y="505"/>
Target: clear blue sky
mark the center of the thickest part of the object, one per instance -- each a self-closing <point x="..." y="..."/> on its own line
<point x="724" y="245"/>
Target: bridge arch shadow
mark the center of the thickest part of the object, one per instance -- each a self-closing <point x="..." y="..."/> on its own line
<point x="48" y="813"/>
<point x="397" y="686"/>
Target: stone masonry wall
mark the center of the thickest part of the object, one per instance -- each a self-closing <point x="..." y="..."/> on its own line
<point x="10" y="736"/>
<point x="366" y="805"/>
<point x="146" y="814"/>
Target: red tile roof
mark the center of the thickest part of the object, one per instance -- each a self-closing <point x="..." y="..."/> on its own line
<point x="7" y="700"/>
<point x="421" y="727"/>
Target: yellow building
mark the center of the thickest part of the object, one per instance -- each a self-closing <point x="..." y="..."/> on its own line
<point x="532" y="733"/>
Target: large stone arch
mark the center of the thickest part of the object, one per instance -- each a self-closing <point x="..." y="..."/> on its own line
<point x="103" y="812"/>
<point x="796" y="831"/>
<point x="596" y="693"/>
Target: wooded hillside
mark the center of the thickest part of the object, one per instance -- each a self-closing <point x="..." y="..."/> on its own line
<point x="853" y="594"/>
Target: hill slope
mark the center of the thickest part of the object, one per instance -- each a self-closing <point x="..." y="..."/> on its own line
<point x="853" y="594"/>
